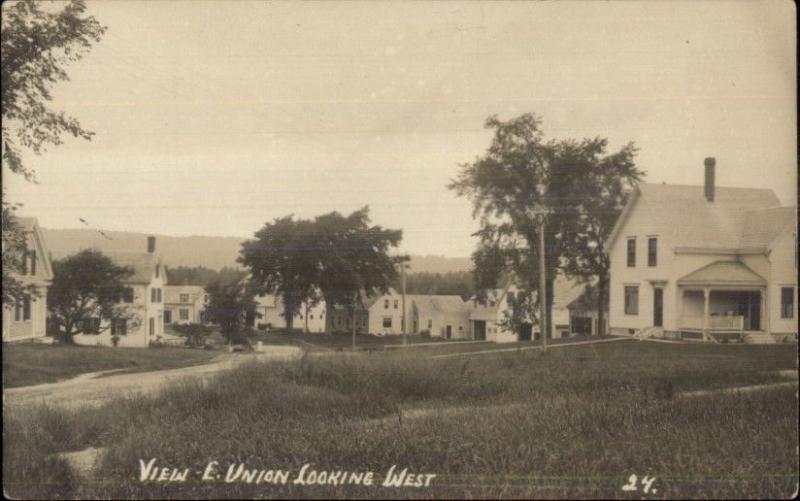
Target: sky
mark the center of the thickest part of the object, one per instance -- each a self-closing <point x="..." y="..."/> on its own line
<point x="213" y="118"/>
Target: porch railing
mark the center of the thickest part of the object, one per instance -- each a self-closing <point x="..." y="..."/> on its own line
<point x="727" y="322"/>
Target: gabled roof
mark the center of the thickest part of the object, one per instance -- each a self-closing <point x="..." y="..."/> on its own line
<point x="31" y="225"/>
<point x="699" y="223"/>
<point x="172" y="293"/>
<point x="762" y="227"/>
<point x="439" y="303"/>
<point x="143" y="265"/>
<point x="723" y="273"/>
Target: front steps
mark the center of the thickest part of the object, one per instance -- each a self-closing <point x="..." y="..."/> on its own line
<point x="759" y="338"/>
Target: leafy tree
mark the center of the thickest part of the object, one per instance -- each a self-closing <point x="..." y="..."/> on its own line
<point x="228" y="306"/>
<point x="87" y="294"/>
<point x="195" y="333"/>
<point x="36" y="45"/>
<point x="283" y="260"/>
<point x="202" y="276"/>
<point x="353" y="259"/>
<point x="521" y="179"/>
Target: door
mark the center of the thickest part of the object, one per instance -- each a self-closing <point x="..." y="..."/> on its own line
<point x="480" y="330"/>
<point x="658" y="307"/>
<point x="152" y="326"/>
<point x="448" y="332"/>
<point x="167" y="316"/>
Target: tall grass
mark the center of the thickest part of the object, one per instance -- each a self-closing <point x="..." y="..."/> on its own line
<point x="532" y="425"/>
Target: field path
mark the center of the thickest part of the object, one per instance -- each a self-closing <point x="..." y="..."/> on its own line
<point x="89" y="390"/>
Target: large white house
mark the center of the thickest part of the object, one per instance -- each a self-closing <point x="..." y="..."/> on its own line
<point x="28" y="318"/>
<point x="144" y="297"/>
<point x="704" y="262"/>
<point x="184" y="304"/>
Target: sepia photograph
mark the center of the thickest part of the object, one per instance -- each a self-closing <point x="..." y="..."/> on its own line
<point x="454" y="249"/>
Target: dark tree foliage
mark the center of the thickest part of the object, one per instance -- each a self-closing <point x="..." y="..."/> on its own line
<point x="522" y="178"/>
<point x="454" y="283"/>
<point x="88" y="287"/>
<point x="228" y="306"/>
<point x="202" y="276"/>
<point x="36" y="45"/>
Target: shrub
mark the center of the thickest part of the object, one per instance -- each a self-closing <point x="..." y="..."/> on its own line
<point x="425" y="334"/>
<point x="195" y="333"/>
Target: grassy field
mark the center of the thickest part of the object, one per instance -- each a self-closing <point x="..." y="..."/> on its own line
<point x="570" y="423"/>
<point x="336" y="341"/>
<point x="27" y="364"/>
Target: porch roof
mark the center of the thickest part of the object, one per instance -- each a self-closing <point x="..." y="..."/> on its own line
<point x="724" y="273"/>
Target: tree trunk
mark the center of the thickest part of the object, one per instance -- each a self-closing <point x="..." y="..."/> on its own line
<point x="306" y="317"/>
<point x="289" y="317"/>
<point x="602" y="283"/>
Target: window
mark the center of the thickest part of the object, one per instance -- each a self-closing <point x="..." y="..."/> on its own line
<point x="119" y="327"/>
<point x="158" y="295"/>
<point x="632" y="300"/>
<point x="26" y="308"/>
<point x="395" y="304"/>
<point x="33" y="262"/>
<point x="385" y="304"/>
<point x="387" y="322"/>
<point x="184" y="298"/>
<point x="24" y="267"/>
<point x="91" y="326"/>
<point x="153" y="295"/>
<point x="652" y="251"/>
<point x="787" y="302"/>
<point x="430" y="323"/>
<point x="167" y="316"/>
<point x="127" y="295"/>
<point x="631" y="252"/>
<point x="311" y="317"/>
<point x="184" y="314"/>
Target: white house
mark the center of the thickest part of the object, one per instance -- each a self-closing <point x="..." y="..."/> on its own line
<point x="489" y="318"/>
<point x="184" y="304"/>
<point x="440" y="315"/>
<point x="704" y="262"/>
<point x="28" y="318"/>
<point x="145" y="297"/>
<point x="269" y="314"/>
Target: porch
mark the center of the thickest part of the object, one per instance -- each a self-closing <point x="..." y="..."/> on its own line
<point x="722" y="301"/>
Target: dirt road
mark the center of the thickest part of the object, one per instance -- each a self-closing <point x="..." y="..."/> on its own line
<point x="91" y="390"/>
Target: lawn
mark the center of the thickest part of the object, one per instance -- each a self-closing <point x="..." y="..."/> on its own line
<point x="28" y="364"/>
<point x="336" y="341"/>
<point x="569" y="423"/>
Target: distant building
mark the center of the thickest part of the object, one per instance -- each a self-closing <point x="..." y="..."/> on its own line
<point x="28" y="318"/>
<point x="489" y="318"/>
<point x="704" y="262"/>
<point x="441" y="316"/>
<point x="184" y="304"/>
<point x="270" y="314"/>
<point x="144" y="295"/>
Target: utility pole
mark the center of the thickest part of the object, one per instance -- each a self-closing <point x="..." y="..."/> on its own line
<point x="403" y="321"/>
<point x="543" y="330"/>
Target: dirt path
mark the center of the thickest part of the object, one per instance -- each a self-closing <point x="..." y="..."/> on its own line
<point x="88" y="389"/>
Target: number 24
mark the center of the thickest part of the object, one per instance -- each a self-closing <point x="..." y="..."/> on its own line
<point x="647" y="483"/>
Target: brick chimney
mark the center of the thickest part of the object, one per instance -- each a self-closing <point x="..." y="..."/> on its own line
<point x="710" y="163"/>
<point x="151" y="244"/>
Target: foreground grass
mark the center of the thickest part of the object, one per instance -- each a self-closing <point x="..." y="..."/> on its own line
<point x="570" y="423"/>
<point x="28" y="364"/>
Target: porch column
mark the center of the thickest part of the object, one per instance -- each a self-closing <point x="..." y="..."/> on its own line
<point x="706" y="301"/>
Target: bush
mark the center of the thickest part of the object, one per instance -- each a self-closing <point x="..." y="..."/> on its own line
<point x="425" y="334"/>
<point x="195" y="333"/>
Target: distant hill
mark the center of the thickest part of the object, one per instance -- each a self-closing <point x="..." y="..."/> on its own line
<point x="210" y="252"/>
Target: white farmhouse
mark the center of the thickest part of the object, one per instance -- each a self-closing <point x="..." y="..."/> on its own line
<point x="184" y="304"/>
<point x="28" y="319"/>
<point x="704" y="262"/>
<point x="144" y="296"/>
<point x="270" y="314"/>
